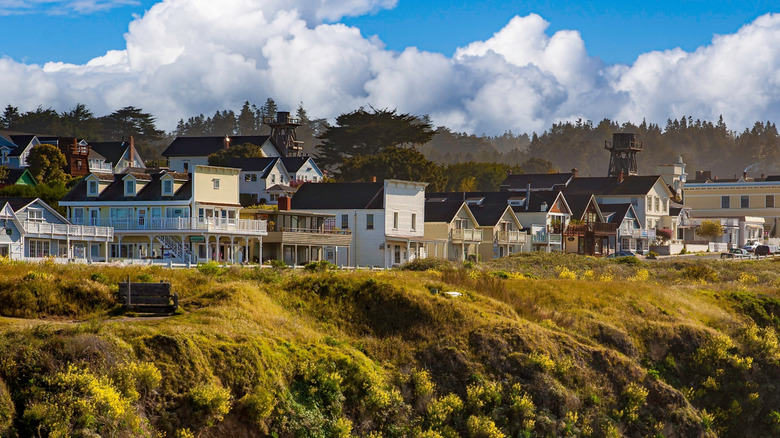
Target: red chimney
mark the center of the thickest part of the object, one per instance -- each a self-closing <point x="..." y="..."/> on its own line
<point x="285" y="203"/>
<point x="132" y="152"/>
<point x="373" y="179"/>
<point x="226" y="142"/>
<point x="620" y="177"/>
<point x="575" y="172"/>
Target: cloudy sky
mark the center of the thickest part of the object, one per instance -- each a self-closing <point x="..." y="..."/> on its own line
<point x="481" y="67"/>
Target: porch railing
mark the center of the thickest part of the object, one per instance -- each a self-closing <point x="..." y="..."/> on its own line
<point x="68" y="231"/>
<point x="510" y="236"/>
<point x="542" y="237"/>
<point x="185" y="224"/>
<point x="470" y="234"/>
<point x="643" y="234"/>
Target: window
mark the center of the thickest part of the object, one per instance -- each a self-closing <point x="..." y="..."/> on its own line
<point x="250" y="177"/>
<point x="79" y="164"/>
<point x="414" y="221"/>
<point x="167" y="187"/>
<point x="666" y="204"/>
<point x="35" y="214"/>
<point x="216" y="183"/>
<point x="395" y="220"/>
<point x="657" y="203"/>
<point x="370" y="221"/>
<point x="186" y="166"/>
<point x="725" y="202"/>
<point x="273" y="178"/>
<point x="78" y="216"/>
<point x="38" y="248"/>
<point x="344" y="221"/>
<point x="770" y="201"/>
<point x="744" y="201"/>
<point x="129" y="188"/>
<point x="649" y="203"/>
<point x="92" y="188"/>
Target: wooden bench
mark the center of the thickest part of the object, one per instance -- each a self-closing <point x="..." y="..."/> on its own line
<point x="148" y="298"/>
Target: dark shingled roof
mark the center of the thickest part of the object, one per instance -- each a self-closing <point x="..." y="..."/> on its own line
<point x="536" y="201"/>
<point x="16" y="203"/>
<point x="292" y="164"/>
<point x="112" y="151"/>
<point x="772" y="178"/>
<point x="152" y="191"/>
<point x="339" y="196"/>
<point x="205" y="146"/>
<point x="620" y="211"/>
<point x="488" y="214"/>
<point x="608" y="186"/>
<point x="15" y="174"/>
<point x="258" y="164"/>
<point x="441" y="211"/>
<point x="489" y="197"/>
<point x="578" y="204"/>
<point x="21" y="141"/>
<point x="539" y="181"/>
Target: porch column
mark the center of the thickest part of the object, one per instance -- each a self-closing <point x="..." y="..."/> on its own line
<point x="232" y="249"/>
<point x="208" y="247"/>
<point x="150" y="253"/>
<point x="246" y="249"/>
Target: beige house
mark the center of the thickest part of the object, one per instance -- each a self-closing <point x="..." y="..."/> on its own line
<point x="751" y="199"/>
<point x="159" y="214"/>
<point x="451" y="230"/>
<point x="501" y="235"/>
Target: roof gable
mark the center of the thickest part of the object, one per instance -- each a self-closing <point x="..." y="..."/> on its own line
<point x="339" y="196"/>
<point x="207" y="145"/>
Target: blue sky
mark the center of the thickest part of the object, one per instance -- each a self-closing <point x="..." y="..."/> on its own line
<point x="616" y="32"/>
<point x="478" y="67"/>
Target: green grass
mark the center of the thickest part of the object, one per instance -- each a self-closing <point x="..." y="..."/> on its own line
<point x="537" y="345"/>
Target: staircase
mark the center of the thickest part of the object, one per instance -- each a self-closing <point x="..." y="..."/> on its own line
<point x="177" y="247"/>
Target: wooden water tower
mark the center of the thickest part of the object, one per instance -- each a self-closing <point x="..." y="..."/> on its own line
<point x="283" y="133"/>
<point x="623" y="149"/>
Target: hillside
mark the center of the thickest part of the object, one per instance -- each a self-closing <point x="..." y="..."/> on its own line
<point x="537" y="345"/>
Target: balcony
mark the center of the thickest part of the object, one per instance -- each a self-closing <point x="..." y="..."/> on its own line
<point x="64" y="231"/>
<point x="595" y="227"/>
<point x="509" y="237"/>
<point x="226" y="225"/>
<point x="546" y="238"/>
<point x="310" y="236"/>
<point x="466" y="235"/>
<point x="643" y="234"/>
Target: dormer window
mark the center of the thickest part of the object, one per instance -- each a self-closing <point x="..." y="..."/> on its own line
<point x="167" y="187"/>
<point x="130" y="187"/>
<point x="92" y="188"/>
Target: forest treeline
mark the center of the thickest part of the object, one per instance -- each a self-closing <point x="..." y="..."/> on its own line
<point x="703" y="145"/>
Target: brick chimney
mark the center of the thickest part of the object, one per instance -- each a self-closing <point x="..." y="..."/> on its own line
<point x="575" y="172"/>
<point x="373" y="179"/>
<point x="744" y="175"/>
<point x="131" y="155"/>
<point x="284" y="203"/>
<point x="226" y="142"/>
<point x="621" y="176"/>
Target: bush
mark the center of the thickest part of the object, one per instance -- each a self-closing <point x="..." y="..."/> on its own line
<point x="278" y="264"/>
<point x="652" y="255"/>
<point x="214" y="401"/>
<point x="209" y="268"/>
<point x="98" y="277"/>
<point x="320" y="266"/>
<point x="426" y="265"/>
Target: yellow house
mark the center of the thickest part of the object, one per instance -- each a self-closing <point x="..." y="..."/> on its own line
<point x="451" y="231"/>
<point x="757" y="199"/>
<point x="160" y="214"/>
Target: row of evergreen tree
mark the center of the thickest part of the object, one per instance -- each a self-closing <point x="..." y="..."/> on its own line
<point x="703" y="145"/>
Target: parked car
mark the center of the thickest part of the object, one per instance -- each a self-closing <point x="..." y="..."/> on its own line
<point x="750" y="246"/>
<point x="615" y="255"/>
<point x="735" y="253"/>
<point x="766" y="250"/>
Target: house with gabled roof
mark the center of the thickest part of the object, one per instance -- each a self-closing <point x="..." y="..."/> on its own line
<point x="114" y="156"/>
<point x="629" y="230"/>
<point x="545" y="215"/>
<point x="185" y="152"/>
<point x="19" y="177"/>
<point x="386" y="218"/>
<point x="34" y="230"/>
<point x="15" y="148"/>
<point x="265" y="179"/>
<point x="501" y="235"/>
<point x="588" y="231"/>
<point x="169" y="215"/>
<point x="451" y="230"/>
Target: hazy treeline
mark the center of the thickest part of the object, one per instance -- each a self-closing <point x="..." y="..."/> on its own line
<point x="704" y="145"/>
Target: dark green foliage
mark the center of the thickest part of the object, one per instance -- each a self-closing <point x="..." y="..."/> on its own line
<point x="246" y="150"/>
<point x="393" y="163"/>
<point x="369" y="132"/>
<point x="47" y="163"/>
<point x="320" y="266"/>
<point x="426" y="264"/>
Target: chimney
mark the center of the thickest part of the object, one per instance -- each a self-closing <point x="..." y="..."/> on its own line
<point x="284" y="203"/>
<point x="373" y="179"/>
<point x="527" y="194"/>
<point x="575" y="172"/>
<point x="620" y="177"/>
<point x="763" y="176"/>
<point x="226" y="142"/>
<point x="132" y="152"/>
<point x="544" y="206"/>
<point x="744" y="175"/>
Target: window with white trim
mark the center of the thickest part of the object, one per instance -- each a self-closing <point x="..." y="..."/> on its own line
<point x="130" y="187"/>
<point x="395" y="220"/>
<point x="414" y="221"/>
<point x="35" y="214"/>
<point x="167" y="187"/>
<point x="38" y="248"/>
<point x="370" y="221"/>
<point x="92" y="188"/>
<point x="215" y="181"/>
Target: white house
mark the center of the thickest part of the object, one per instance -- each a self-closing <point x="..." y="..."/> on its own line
<point x="184" y="153"/>
<point x="265" y="180"/>
<point x="15" y="148"/>
<point x="114" y="157"/>
<point x="34" y="230"/>
<point x="386" y="218"/>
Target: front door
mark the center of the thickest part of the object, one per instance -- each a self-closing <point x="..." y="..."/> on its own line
<point x="141" y="218"/>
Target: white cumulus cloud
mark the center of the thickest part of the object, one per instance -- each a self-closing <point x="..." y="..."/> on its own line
<point x="185" y="57"/>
